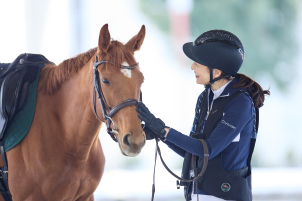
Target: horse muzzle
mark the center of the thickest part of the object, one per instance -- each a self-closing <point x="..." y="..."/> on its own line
<point x="131" y="145"/>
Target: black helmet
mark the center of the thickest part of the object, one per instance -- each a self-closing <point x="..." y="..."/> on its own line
<point x="216" y="49"/>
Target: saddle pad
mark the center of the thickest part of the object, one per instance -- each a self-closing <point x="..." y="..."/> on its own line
<point x="21" y="122"/>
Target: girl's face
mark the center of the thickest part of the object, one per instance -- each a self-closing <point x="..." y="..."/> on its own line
<point x="202" y="73"/>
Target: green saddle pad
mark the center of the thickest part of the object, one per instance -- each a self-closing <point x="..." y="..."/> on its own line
<point x="21" y="122"/>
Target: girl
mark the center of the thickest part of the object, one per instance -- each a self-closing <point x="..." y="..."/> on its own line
<point x="226" y="117"/>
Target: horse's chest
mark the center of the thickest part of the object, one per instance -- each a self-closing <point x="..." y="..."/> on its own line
<point x="65" y="181"/>
<point x="57" y="186"/>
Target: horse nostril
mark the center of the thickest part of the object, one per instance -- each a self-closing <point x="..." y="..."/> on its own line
<point x="126" y="140"/>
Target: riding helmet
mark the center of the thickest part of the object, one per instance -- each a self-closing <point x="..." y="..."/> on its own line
<point x="217" y="49"/>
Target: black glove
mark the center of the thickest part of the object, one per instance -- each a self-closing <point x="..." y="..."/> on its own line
<point x="150" y="135"/>
<point x="154" y="124"/>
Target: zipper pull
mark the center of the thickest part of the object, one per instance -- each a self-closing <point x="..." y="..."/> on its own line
<point x="208" y="114"/>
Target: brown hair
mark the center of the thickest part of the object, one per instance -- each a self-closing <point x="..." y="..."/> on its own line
<point x="255" y="90"/>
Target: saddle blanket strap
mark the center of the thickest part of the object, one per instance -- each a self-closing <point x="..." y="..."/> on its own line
<point x="4" y="190"/>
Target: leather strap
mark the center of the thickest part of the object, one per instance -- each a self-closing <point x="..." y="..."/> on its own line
<point x="195" y="173"/>
<point x="205" y="163"/>
<point x="194" y="166"/>
<point x="94" y="109"/>
<point x="4" y="190"/>
<point x="204" y="167"/>
<point x="121" y="105"/>
<point x="153" y="185"/>
<point x="107" y="117"/>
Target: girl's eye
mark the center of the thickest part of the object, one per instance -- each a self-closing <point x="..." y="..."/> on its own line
<point x="105" y="81"/>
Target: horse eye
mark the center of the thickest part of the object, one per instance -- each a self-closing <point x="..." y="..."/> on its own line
<point x="105" y="81"/>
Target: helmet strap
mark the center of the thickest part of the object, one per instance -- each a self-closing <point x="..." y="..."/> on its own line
<point x="214" y="80"/>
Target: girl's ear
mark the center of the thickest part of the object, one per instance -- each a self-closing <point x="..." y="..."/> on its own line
<point x="216" y="73"/>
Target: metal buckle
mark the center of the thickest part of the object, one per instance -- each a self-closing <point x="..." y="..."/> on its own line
<point x="107" y="117"/>
<point x="110" y="132"/>
<point x="3" y="172"/>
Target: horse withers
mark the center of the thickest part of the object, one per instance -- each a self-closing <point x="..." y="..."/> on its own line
<point x="61" y="157"/>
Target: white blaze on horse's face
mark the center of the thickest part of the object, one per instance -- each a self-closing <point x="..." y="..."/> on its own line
<point x="126" y="72"/>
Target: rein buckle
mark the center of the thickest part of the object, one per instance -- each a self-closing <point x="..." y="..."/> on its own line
<point x="177" y="184"/>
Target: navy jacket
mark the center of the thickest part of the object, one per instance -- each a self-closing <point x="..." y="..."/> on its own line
<point x="232" y="136"/>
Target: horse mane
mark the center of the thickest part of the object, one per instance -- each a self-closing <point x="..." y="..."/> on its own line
<point x="56" y="75"/>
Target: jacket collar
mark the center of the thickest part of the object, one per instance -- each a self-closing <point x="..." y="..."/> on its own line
<point x="219" y="91"/>
<point x="228" y="91"/>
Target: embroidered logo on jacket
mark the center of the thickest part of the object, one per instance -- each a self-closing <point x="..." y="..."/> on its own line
<point x="227" y="124"/>
<point x="214" y="111"/>
<point x="225" y="187"/>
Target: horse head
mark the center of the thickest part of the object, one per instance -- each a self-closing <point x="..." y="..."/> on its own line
<point x="120" y="79"/>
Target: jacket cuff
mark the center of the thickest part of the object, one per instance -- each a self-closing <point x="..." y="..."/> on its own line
<point x="173" y="135"/>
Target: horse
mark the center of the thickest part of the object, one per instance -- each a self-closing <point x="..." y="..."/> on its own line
<point x="61" y="157"/>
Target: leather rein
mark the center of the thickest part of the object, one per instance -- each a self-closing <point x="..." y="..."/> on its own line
<point x="112" y="111"/>
<point x="204" y="167"/>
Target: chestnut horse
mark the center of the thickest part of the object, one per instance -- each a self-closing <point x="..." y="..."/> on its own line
<point x="61" y="158"/>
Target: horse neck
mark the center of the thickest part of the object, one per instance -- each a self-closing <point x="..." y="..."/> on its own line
<point x="78" y="123"/>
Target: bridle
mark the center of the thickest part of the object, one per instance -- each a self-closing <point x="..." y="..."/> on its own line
<point x="112" y="111"/>
<point x="108" y="119"/>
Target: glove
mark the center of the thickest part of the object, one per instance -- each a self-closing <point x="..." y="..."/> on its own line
<point x="154" y="124"/>
<point x="150" y="135"/>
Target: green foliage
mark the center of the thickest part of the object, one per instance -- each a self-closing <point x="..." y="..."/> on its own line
<point x="291" y="159"/>
<point x="157" y="11"/>
<point x="266" y="28"/>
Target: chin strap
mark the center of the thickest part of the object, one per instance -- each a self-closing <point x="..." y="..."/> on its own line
<point x="214" y="80"/>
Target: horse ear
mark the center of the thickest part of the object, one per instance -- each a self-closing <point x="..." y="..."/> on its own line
<point x="136" y="42"/>
<point x="104" y="38"/>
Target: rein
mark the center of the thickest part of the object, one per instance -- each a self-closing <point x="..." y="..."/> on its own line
<point x="112" y="111"/>
<point x="204" y="167"/>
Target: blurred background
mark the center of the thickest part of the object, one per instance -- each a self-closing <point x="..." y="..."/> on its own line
<point x="269" y="30"/>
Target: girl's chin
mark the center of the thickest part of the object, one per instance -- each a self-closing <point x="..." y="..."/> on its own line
<point x="199" y="82"/>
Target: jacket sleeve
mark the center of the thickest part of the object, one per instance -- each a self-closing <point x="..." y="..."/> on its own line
<point x="175" y="148"/>
<point x="237" y="113"/>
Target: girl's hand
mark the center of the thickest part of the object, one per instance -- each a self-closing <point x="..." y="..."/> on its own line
<point x="153" y="123"/>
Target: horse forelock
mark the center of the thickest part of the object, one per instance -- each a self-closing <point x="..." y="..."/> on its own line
<point x="117" y="53"/>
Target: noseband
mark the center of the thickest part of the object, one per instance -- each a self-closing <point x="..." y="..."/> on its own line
<point x="98" y="90"/>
